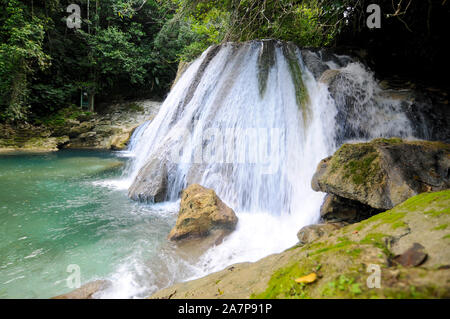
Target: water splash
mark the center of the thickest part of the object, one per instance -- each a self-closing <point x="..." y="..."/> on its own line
<point x="252" y="121"/>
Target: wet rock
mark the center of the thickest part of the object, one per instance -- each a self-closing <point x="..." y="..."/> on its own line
<point x="328" y="76"/>
<point x="150" y="184"/>
<point x="342" y="258"/>
<point x="201" y="212"/>
<point x="314" y="63"/>
<point x="182" y="66"/>
<point x="86" y="291"/>
<point x="384" y="172"/>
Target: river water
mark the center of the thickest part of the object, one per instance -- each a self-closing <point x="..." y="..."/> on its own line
<point x="72" y="207"/>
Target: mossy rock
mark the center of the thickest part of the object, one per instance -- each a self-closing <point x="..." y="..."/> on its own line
<point x="384" y="172"/>
<point x="344" y="259"/>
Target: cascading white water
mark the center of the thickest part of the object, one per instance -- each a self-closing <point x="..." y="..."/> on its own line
<point x="252" y="122"/>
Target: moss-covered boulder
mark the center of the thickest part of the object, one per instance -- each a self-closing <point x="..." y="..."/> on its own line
<point x="384" y="172"/>
<point x="348" y="261"/>
<point x="201" y="212"/>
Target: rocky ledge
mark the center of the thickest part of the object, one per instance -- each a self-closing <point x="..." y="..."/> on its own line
<point x="73" y="128"/>
<point x="344" y="260"/>
<point x="395" y="244"/>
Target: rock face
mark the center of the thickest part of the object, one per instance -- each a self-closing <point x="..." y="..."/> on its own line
<point x="343" y="260"/>
<point x="26" y="137"/>
<point x="384" y="172"/>
<point x="110" y="129"/>
<point x="150" y="184"/>
<point x="202" y="211"/>
<point x="426" y="109"/>
<point x="113" y="129"/>
<point x="340" y="209"/>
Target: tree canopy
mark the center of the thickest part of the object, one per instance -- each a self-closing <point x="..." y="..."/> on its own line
<point x="131" y="48"/>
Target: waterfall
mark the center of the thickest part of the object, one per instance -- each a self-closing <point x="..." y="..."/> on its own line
<point x="252" y="121"/>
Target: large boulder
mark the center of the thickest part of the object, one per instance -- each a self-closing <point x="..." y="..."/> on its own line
<point x="384" y="172"/>
<point x="150" y="185"/>
<point x="201" y="212"/>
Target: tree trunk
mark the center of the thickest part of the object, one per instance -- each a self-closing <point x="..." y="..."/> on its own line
<point x="91" y="102"/>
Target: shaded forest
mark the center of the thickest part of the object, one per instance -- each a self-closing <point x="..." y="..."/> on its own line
<point x="127" y="49"/>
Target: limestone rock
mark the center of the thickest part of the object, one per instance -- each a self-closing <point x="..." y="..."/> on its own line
<point x="150" y="184"/>
<point x="202" y="211"/>
<point x="384" y="172"/>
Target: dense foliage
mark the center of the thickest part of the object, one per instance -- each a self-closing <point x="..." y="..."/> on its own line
<point x="125" y="46"/>
<point x="130" y="48"/>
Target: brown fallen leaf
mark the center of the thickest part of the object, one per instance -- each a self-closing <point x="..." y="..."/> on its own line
<point x="307" y="279"/>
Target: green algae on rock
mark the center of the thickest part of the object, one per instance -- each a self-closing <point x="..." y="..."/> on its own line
<point x="302" y="97"/>
<point x="384" y="172"/>
<point x="342" y="258"/>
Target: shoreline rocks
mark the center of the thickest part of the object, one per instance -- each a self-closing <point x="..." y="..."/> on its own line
<point x="110" y="129"/>
<point x="343" y="258"/>
<point x="86" y="291"/>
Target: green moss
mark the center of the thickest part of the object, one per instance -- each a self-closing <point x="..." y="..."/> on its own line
<point x="441" y="227"/>
<point x="316" y="245"/>
<point x="59" y="119"/>
<point x="373" y="238"/>
<point x="301" y="93"/>
<point x="413" y="292"/>
<point x="282" y="283"/>
<point x="136" y="107"/>
<point x="393" y="140"/>
<point x="377" y="240"/>
<point x="358" y="162"/>
<point x="433" y="204"/>
<point x="338" y="246"/>
<point x="354" y="252"/>
<point x="437" y="213"/>
<point x="446" y="236"/>
<point x="266" y="60"/>
<point x="393" y="217"/>
<point x="342" y="286"/>
<point x="359" y="170"/>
